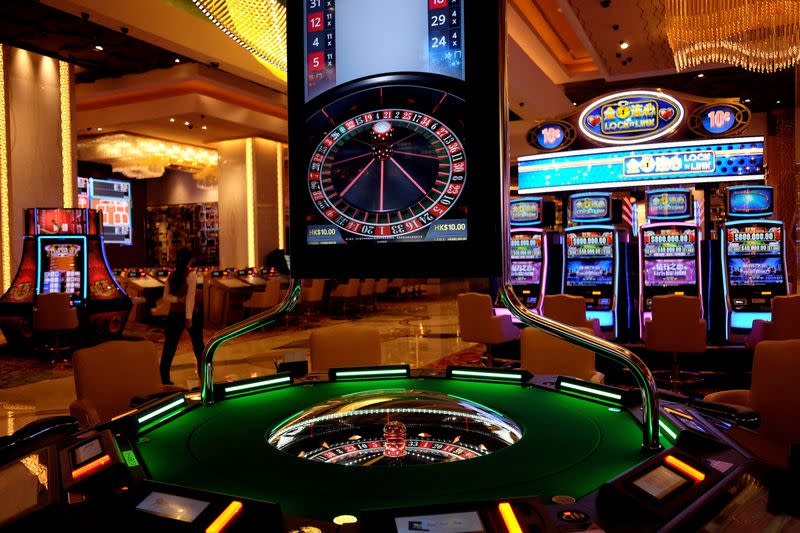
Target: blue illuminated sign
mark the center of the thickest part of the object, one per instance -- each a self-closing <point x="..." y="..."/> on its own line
<point x="550" y="136"/>
<point x="719" y="119"/>
<point x="750" y="200"/>
<point x="669" y="204"/>
<point x="737" y="159"/>
<point x="631" y="117"/>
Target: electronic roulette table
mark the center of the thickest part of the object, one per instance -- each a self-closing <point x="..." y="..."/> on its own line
<point x="379" y="445"/>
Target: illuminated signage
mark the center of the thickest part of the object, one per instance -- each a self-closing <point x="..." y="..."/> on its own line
<point x="551" y="136"/>
<point x="750" y="201"/>
<point x="591" y="207"/>
<point x="526" y="211"/>
<point x="631" y="117"/>
<point x="709" y="160"/>
<point x="669" y="204"/>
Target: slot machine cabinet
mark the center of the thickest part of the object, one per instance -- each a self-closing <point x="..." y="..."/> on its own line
<point x="669" y="250"/>
<point x="63" y="251"/>
<point x="528" y="252"/>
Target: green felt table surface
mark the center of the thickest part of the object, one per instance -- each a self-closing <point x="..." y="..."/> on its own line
<point x="569" y="447"/>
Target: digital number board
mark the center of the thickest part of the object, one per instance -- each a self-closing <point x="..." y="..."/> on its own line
<point x="669" y="242"/>
<point x="713" y="160"/>
<point x="526" y="245"/>
<point x="590" y="244"/>
<point x="388" y="122"/>
<point x="754" y="240"/>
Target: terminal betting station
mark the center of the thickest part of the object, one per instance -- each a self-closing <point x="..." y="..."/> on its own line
<point x="410" y="316"/>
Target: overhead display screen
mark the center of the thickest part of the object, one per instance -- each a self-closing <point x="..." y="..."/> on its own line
<point x="713" y="160"/>
<point x="669" y="204"/>
<point x="390" y="175"/>
<point x="352" y="39"/>
<point x="113" y="199"/>
<point x="750" y="201"/>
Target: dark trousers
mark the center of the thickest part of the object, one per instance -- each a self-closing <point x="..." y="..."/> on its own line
<point x="176" y="323"/>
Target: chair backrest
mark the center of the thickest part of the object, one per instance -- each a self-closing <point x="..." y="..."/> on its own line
<point x="774" y="394"/>
<point x="542" y="353"/>
<point x="785" y="313"/>
<point x="676" y="325"/>
<point x="343" y="346"/>
<point x="267" y="298"/>
<point x="367" y="287"/>
<point x="565" y="308"/>
<point x="110" y="374"/>
<point x="313" y="291"/>
<point x="54" y="312"/>
<point x="346" y="290"/>
<point x="474" y="312"/>
<point x="381" y="286"/>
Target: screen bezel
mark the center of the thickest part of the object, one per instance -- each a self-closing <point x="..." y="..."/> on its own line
<point x="480" y="255"/>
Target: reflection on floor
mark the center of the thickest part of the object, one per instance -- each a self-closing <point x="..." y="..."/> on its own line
<point x="418" y="332"/>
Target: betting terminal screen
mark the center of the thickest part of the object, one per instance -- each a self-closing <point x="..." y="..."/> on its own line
<point x="670" y="256"/>
<point x="62" y="265"/>
<point x="394" y="97"/>
<point x="590" y="258"/>
<point x="755" y="254"/>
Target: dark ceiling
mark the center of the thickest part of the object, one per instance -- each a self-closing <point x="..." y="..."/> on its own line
<point x="763" y="90"/>
<point x="34" y="26"/>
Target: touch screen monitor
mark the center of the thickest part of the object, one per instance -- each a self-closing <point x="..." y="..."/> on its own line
<point x="113" y="199"/>
<point x="751" y="201"/>
<point x="755" y="271"/>
<point x="172" y="506"/>
<point x="62" y="265"/>
<point x="391" y="107"/>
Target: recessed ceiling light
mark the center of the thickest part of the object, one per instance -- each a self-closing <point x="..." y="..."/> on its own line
<point x="203" y="127"/>
<point x="701" y="75"/>
<point x="746" y="100"/>
<point x="186" y="123"/>
<point x="177" y="60"/>
<point x="624" y="45"/>
<point x="98" y="48"/>
<point x="99" y="129"/>
<point x="575" y="104"/>
<point x="777" y="101"/>
<point x="172" y="120"/>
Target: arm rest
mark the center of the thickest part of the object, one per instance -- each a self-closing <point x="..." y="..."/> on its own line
<point x="85" y="413"/>
<point x="757" y="333"/>
<point x="598" y="377"/>
<point x="735" y="397"/>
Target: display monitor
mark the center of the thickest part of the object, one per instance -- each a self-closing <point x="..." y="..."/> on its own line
<point x="750" y="201"/>
<point x="754" y="239"/>
<point x="590" y="207"/>
<point x="588" y="272"/>
<point x="526" y="245"/>
<point x="172" y="506"/>
<point x="755" y="271"/>
<point x="526" y="211"/>
<point x="669" y="241"/>
<point x="590" y="243"/>
<point x="670" y="204"/>
<point x="463" y="522"/>
<point x="113" y="199"/>
<point x="670" y="272"/>
<point x="58" y="221"/>
<point x="660" y="482"/>
<point x="62" y="265"/>
<point x="526" y="272"/>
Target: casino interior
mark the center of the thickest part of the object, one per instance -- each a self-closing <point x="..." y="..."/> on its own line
<point x="458" y="266"/>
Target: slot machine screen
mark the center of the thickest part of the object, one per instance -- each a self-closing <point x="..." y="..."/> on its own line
<point x="588" y="272"/>
<point x="669" y="242"/>
<point x="113" y="199"/>
<point x="526" y="246"/>
<point x="62" y="265"/>
<point x="755" y="270"/>
<point x="750" y="201"/>
<point x="526" y="211"/>
<point x="590" y="207"/>
<point x="526" y="272"/>
<point x="389" y="171"/>
<point x="670" y="204"/>
<point x="670" y="272"/>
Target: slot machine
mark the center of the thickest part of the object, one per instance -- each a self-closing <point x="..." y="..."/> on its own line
<point x="528" y="252"/>
<point x="669" y="250"/>
<point x="591" y="259"/>
<point x="753" y="258"/>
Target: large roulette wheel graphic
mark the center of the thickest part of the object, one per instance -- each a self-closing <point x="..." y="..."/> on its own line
<point x="388" y="161"/>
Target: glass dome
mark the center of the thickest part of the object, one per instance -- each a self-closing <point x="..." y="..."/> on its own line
<point x="394" y="427"/>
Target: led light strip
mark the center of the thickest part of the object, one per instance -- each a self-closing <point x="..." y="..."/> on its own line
<point x="250" y="199"/>
<point x="160" y="410"/>
<point x="686" y="469"/>
<point x="5" y="207"/>
<point x="65" y="101"/>
<point x="225" y="518"/>
<point x="263" y="383"/>
<point x="88" y="468"/>
<point x="509" y="518"/>
<point x="490" y="375"/>
<point x="589" y="390"/>
<point x="357" y="373"/>
<point x="671" y="434"/>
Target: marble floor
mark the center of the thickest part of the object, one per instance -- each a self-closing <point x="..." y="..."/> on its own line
<point x="417" y="331"/>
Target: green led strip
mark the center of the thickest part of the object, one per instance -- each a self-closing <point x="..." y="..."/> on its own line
<point x="356" y="373"/>
<point x="478" y="374"/>
<point x="589" y="390"/>
<point x="160" y="410"/>
<point x="264" y="383"/>
<point x="673" y="436"/>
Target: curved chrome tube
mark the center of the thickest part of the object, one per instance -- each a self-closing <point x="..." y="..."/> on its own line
<point x="241" y="328"/>
<point x="609" y="350"/>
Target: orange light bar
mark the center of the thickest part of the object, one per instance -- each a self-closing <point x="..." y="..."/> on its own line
<point x="225" y="518"/>
<point x="123" y="415"/>
<point x="509" y="518"/>
<point x="686" y="469"/>
<point x="88" y="468"/>
<point x="678" y="413"/>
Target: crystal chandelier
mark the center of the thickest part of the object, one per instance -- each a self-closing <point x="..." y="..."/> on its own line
<point x="257" y="25"/>
<point x="757" y="35"/>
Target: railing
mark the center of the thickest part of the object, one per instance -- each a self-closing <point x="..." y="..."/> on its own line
<point x="609" y="350"/>
<point x="242" y="328"/>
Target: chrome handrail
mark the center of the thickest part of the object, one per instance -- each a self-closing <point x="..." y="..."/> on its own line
<point x="609" y="350"/>
<point x="241" y="328"/>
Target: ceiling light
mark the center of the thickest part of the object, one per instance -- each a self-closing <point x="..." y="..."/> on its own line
<point x="204" y="127"/>
<point x="177" y="60"/>
<point x="746" y="100"/>
<point x="186" y="123"/>
<point x="777" y="101"/>
<point x="575" y="104"/>
<point x="98" y="48"/>
<point x="624" y="45"/>
<point x="99" y="129"/>
<point x="701" y="75"/>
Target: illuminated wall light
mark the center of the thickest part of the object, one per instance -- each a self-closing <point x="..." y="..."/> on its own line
<point x="5" y="200"/>
<point x="250" y="199"/>
<point x="281" y="225"/>
<point x="67" y="153"/>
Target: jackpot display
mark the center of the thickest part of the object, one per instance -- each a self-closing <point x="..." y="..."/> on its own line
<point x="754" y="266"/>
<point x="590" y="270"/>
<point x="384" y="121"/>
<point x="113" y="199"/>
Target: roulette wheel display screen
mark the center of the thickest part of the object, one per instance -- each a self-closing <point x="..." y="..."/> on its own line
<point x="394" y="126"/>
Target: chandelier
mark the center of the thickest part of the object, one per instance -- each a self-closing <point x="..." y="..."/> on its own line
<point x="257" y="25"/>
<point x="757" y="35"/>
<point x="136" y="156"/>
